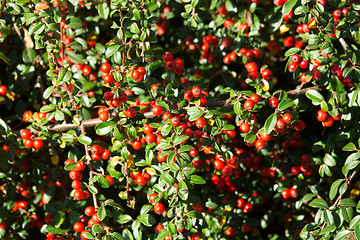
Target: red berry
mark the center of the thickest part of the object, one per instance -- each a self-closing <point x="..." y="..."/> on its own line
<point x="25" y="134"/>
<point x="249" y="104"/>
<point x="274" y="102"/>
<point x="157" y="110"/>
<point x="105" y="68"/>
<point x="159" y="208"/>
<point x="321" y="115"/>
<point x="266" y="74"/>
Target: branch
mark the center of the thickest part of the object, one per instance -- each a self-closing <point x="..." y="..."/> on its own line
<point x="2" y="7"/>
<point x="148" y="115"/>
<point x="304" y="90"/>
<point x="344" y="44"/>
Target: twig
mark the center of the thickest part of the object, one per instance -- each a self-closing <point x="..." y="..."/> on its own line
<point x="91" y="169"/>
<point x="344" y="44"/>
<point x="304" y="90"/>
<point x="2" y="7"/>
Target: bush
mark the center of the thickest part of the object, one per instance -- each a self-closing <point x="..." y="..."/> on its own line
<point x="131" y="119"/>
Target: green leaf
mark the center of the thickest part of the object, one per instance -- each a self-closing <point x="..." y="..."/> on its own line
<point x="342" y="235"/>
<point x="97" y="229"/>
<point x="168" y="178"/>
<point x="179" y="139"/>
<point x="111" y="50"/>
<point x="314" y="95"/>
<point x="318" y="203"/>
<point x="329" y="160"/>
<point x="183" y="190"/>
<point x="124" y="218"/>
<point x="93" y="189"/>
<point x="29" y="55"/>
<point x="85" y="140"/>
<point x="101" y="213"/>
<point x="351" y="163"/>
<point x="104" y="128"/>
<point x="270" y="123"/>
<point x="292" y="51"/>
<point x="334" y="188"/>
<point x="54" y="230"/>
<point x="104" y="183"/>
<point x="132" y="132"/>
<point x="349" y="147"/>
<point x="347" y="202"/>
<point x="161" y="235"/>
<point x="74" y="22"/>
<point x="237" y="108"/>
<point x="286" y="103"/>
<point x="328" y="217"/>
<point x="48" y="108"/>
<point x="288" y="6"/>
<point x="195" y="214"/>
<point x="88" y="235"/>
<point x="194" y="113"/>
<point x="185" y="148"/>
<point x="148" y="220"/>
<point x="134" y="28"/>
<point x="195" y="179"/>
<point x="4" y="58"/>
<point x="354" y="222"/>
<point x="104" y="10"/>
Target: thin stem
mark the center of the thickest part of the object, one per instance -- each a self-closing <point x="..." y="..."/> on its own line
<point x="91" y="169"/>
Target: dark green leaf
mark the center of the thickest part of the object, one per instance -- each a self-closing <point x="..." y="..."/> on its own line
<point x="334" y="188"/>
<point x="101" y="213"/>
<point x="104" y="128"/>
<point x="103" y="10"/>
<point x="349" y="147"/>
<point x="74" y="23"/>
<point x="85" y="140"/>
<point x="318" y="203"/>
<point x="314" y="95"/>
<point x="270" y="123"/>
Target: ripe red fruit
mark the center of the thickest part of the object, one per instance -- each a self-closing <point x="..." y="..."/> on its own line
<point x="219" y="164"/>
<point x="329" y="121"/>
<point x="167" y="56"/>
<point x="200" y="122"/>
<point x="321" y="115"/>
<point x="136" y="144"/>
<point x="108" y="78"/>
<point x="280" y="123"/>
<point x="244" y="127"/>
<point x="296" y="58"/>
<point x="86" y="70"/>
<point x="196" y="91"/>
<point x="279" y="2"/>
<point x="89" y="211"/>
<point x="295" y="170"/>
<point x="175" y="121"/>
<point x="130" y="112"/>
<point x="140" y="180"/>
<point x="294" y="193"/>
<point x="285" y="193"/>
<point x="3" y="89"/>
<point x="266" y="74"/>
<point x="292" y="67"/>
<point x="304" y="64"/>
<point x="230" y="232"/>
<point x="151" y="197"/>
<point x="157" y="110"/>
<point x="249" y="104"/>
<point x="76" y="184"/>
<point x="188" y="95"/>
<point x="300" y="125"/>
<point x="27" y="116"/>
<point x="78" y="195"/>
<point x="158" y="228"/>
<point x="228" y="23"/>
<point x="251" y="67"/>
<point x="240" y="203"/>
<point x="227" y="171"/>
<point x="288" y="118"/>
<point x="25" y="134"/>
<point x="105" y="67"/>
<point x="260" y="144"/>
<point x="255" y="97"/>
<point x="289" y="42"/>
<point x="337" y="14"/>
<point x="316" y="75"/>
<point x="104" y="116"/>
<point x="273" y="102"/>
<point x="78" y="227"/>
<point x="222" y="9"/>
<point x="28" y="143"/>
<point x="159" y="208"/>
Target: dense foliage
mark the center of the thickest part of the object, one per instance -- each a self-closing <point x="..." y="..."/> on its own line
<point x="192" y="119"/>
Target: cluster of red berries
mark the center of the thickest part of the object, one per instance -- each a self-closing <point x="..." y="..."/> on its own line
<point x="28" y="116"/>
<point x="80" y="226"/>
<point x="252" y="69"/>
<point x="197" y="93"/>
<point x="19" y="204"/>
<point x="208" y="41"/>
<point x="141" y="179"/>
<point x="291" y="192"/>
<point x="29" y="142"/>
<point x="138" y="73"/>
<point x="293" y="42"/>
<point x="224" y="183"/>
<point x="97" y="153"/>
<point x="159" y="208"/>
<point x="162" y="23"/>
<point x="337" y="14"/>
<point x="250" y="54"/>
<point x="176" y="65"/>
<point x="22" y="189"/>
<point x="304" y="167"/>
<point x="326" y="119"/>
<point x="76" y="175"/>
